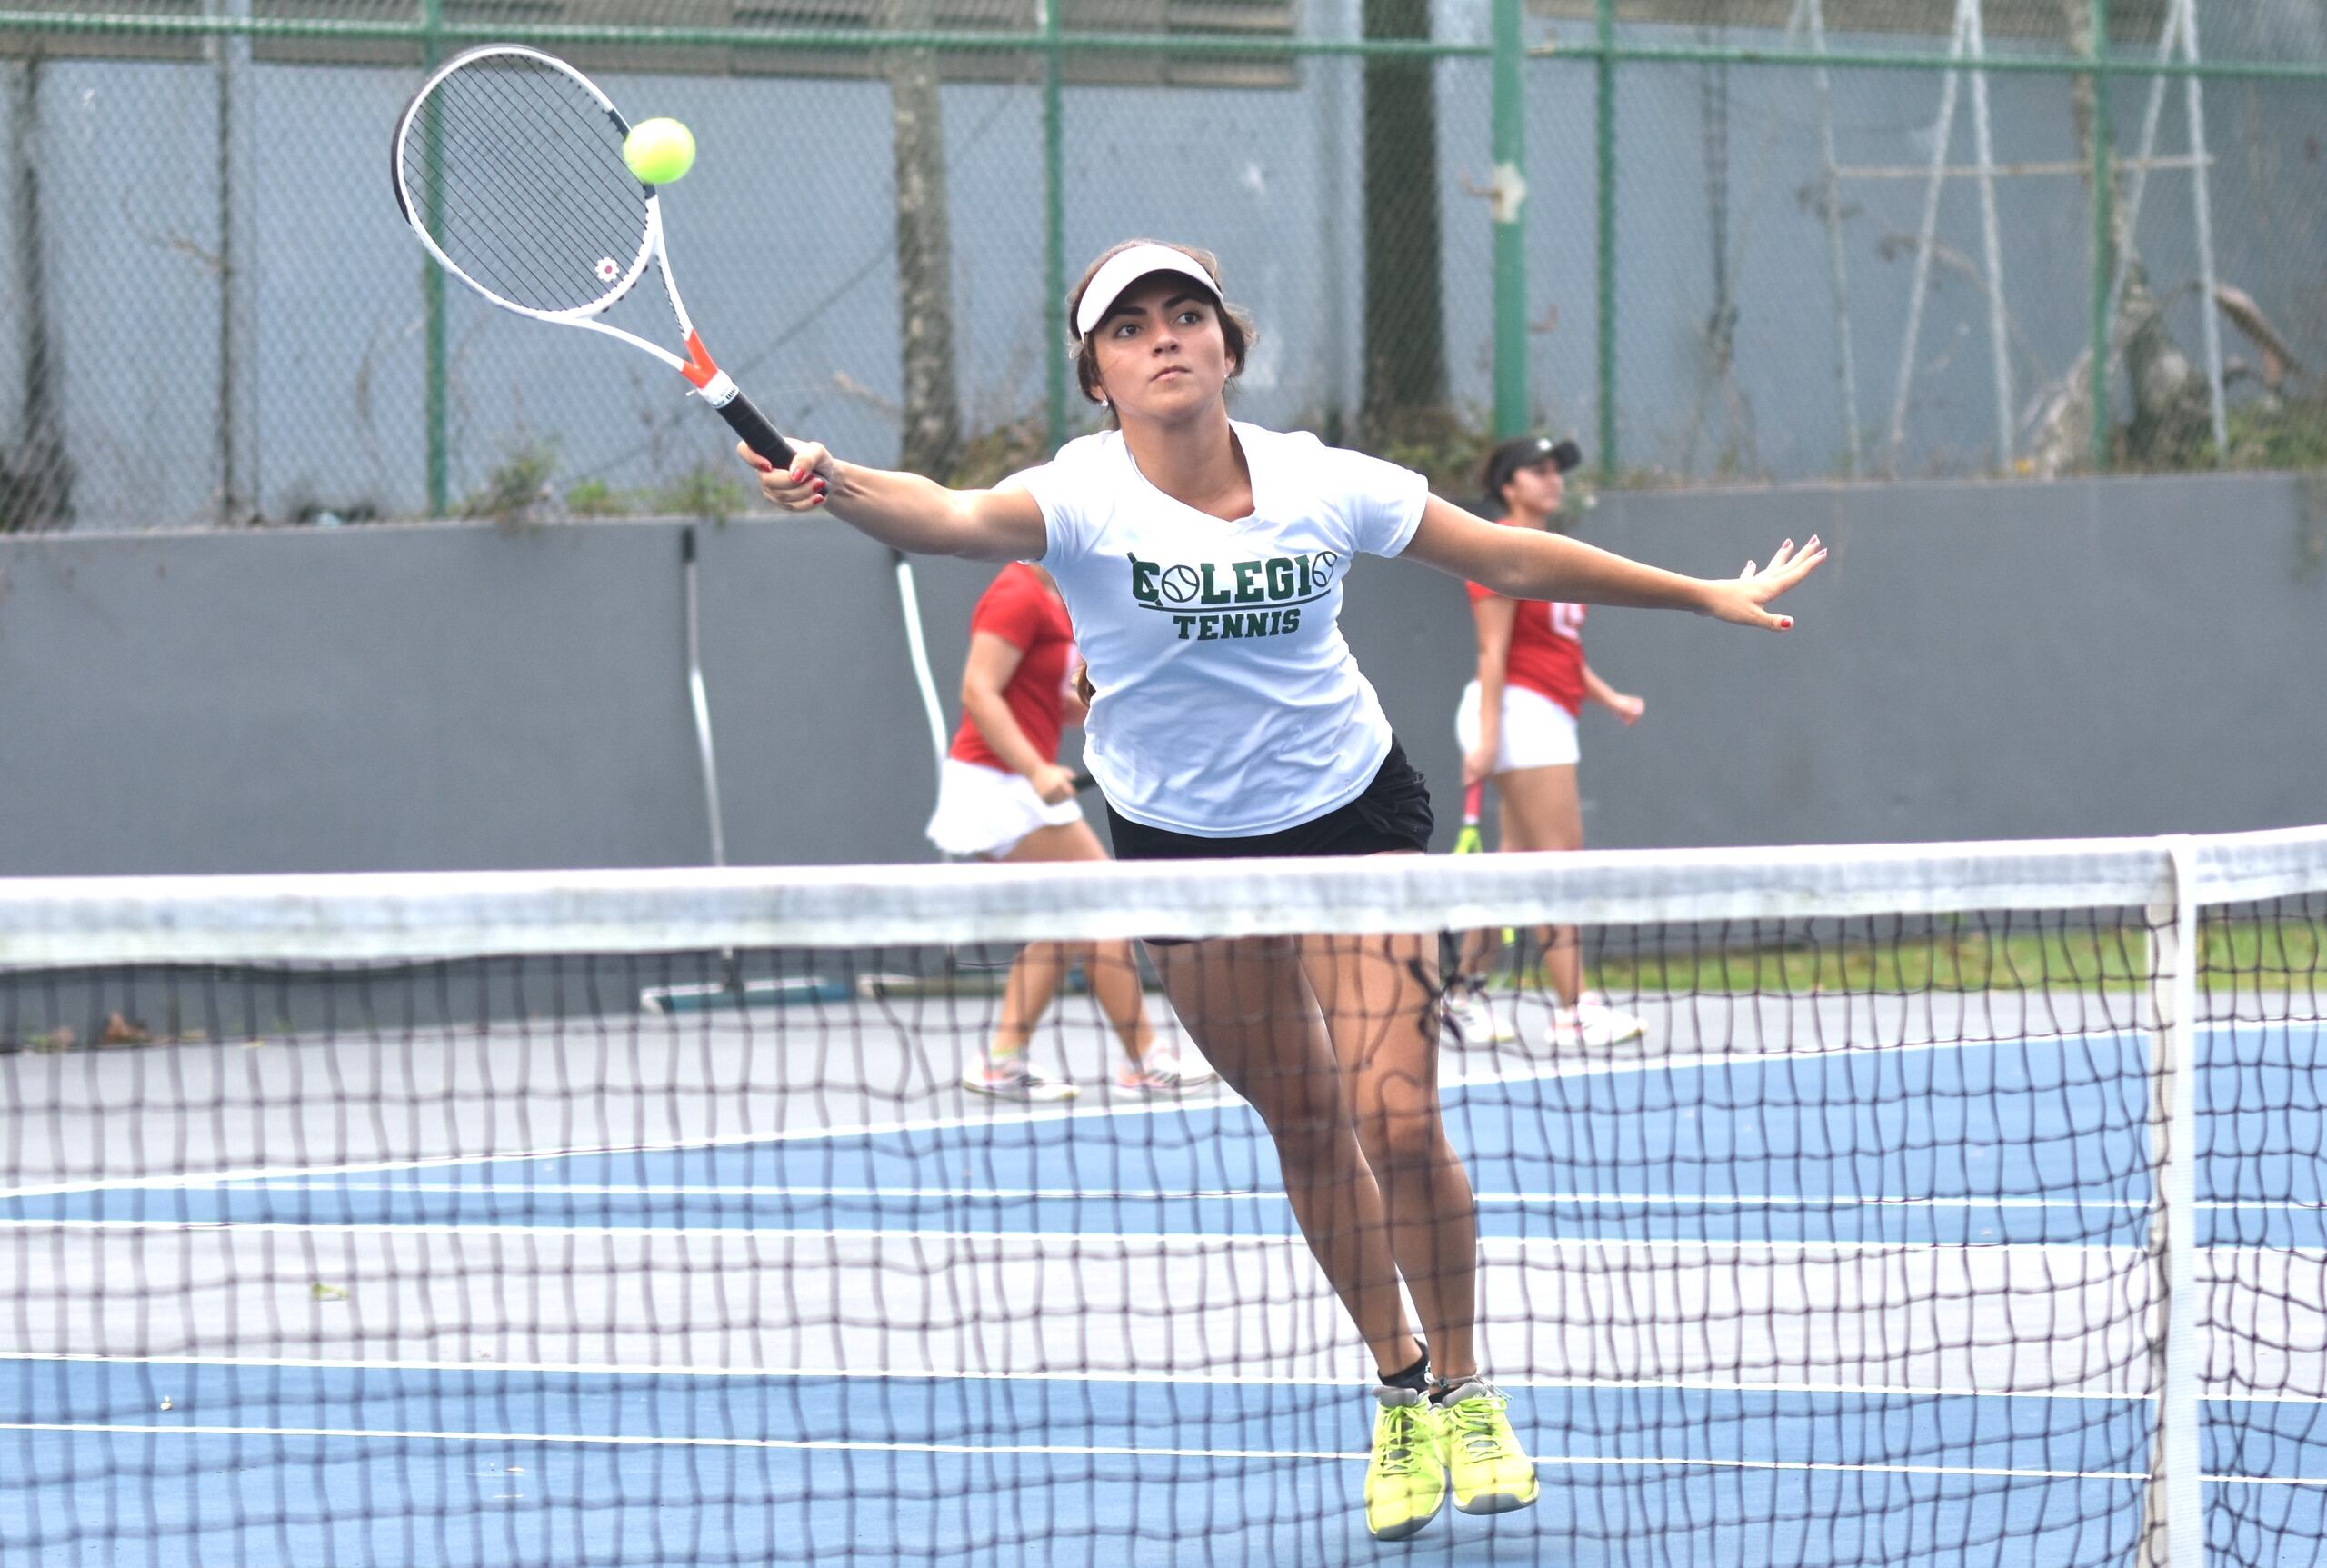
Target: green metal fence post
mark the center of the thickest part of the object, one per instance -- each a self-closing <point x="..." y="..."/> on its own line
<point x="1511" y="400"/>
<point x="432" y="285"/>
<point x="1605" y="71"/>
<point x="2104" y="260"/>
<point x="1054" y="234"/>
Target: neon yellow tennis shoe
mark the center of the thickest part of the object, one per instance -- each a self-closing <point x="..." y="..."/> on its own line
<point x="1406" y="1483"/>
<point x="1490" y="1471"/>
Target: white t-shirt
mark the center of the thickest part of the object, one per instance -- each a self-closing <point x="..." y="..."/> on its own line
<point x="1228" y="705"/>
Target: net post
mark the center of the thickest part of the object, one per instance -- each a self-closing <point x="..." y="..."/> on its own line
<point x="2172" y="1533"/>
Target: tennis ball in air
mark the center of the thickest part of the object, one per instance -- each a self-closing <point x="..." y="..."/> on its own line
<point x="659" y="150"/>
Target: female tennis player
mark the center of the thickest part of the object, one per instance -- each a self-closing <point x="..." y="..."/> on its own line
<point x="1201" y="560"/>
<point x="1001" y="795"/>
<point x="1516" y="724"/>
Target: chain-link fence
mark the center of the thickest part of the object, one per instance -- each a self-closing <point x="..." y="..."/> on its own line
<point x="1753" y="240"/>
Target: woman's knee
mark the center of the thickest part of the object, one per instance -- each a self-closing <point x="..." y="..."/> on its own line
<point x="1302" y="1111"/>
<point x="1405" y="1133"/>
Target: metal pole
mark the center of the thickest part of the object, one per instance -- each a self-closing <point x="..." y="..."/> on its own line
<point x="237" y="188"/>
<point x="431" y="284"/>
<point x="1605" y="72"/>
<point x="1830" y="201"/>
<point x="1919" y="288"/>
<point x="2194" y="101"/>
<point x="2137" y="189"/>
<point x="1992" y="245"/>
<point x="2103" y="246"/>
<point x="1053" y="233"/>
<point x="699" y="700"/>
<point x="1511" y="410"/>
<point x="917" y="650"/>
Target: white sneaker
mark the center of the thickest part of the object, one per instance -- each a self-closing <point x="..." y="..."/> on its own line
<point x="1472" y="1020"/>
<point x="1014" y="1078"/>
<point x="1592" y="1023"/>
<point x="1165" y="1070"/>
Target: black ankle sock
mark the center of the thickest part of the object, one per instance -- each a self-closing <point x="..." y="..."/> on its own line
<point x="1415" y="1377"/>
<point x="1440" y="1387"/>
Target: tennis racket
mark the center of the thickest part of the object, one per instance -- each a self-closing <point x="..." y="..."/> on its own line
<point x="1467" y="841"/>
<point x="508" y="166"/>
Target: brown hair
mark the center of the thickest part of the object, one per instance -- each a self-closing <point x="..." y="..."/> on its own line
<point x="1236" y="329"/>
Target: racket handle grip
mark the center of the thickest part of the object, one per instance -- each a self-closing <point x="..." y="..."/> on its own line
<point x="749" y="422"/>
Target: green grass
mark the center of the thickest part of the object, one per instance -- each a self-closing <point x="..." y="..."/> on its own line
<point x="2245" y="955"/>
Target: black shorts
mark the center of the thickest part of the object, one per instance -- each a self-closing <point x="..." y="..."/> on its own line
<point x="1393" y="814"/>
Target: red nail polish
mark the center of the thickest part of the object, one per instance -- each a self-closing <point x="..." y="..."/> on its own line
<point x="1786" y="625"/>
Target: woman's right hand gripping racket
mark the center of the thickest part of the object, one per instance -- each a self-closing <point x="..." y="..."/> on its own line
<point x="1467" y="841"/>
<point x="508" y="166"/>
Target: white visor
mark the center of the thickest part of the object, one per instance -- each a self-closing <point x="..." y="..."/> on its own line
<point x="1125" y="268"/>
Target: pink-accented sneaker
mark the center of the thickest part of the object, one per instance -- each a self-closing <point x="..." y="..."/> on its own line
<point x="1165" y="1070"/>
<point x="1014" y="1078"/>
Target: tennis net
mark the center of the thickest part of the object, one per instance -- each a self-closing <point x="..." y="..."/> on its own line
<point x="644" y="1218"/>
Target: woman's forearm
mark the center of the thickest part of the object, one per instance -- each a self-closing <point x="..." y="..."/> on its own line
<point x="903" y="510"/>
<point x="1490" y="683"/>
<point x="1553" y="566"/>
<point x="999" y="728"/>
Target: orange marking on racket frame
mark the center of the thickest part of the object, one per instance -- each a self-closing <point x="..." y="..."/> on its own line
<point x="698" y="367"/>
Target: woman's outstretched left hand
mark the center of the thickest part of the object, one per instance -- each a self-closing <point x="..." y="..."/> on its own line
<point x="1741" y="599"/>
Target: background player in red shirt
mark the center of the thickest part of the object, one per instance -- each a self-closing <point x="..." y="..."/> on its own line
<point x="1002" y="796"/>
<point x="1517" y="726"/>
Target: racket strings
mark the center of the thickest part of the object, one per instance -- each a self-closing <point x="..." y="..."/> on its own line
<point x="570" y="130"/>
<point x="549" y="270"/>
<point x="545" y="211"/>
<point x="524" y="186"/>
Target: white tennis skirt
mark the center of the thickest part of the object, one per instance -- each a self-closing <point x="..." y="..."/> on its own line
<point x="986" y="812"/>
<point x="1537" y="733"/>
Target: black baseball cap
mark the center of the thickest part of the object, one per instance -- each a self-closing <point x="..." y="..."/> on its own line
<point x="1526" y="453"/>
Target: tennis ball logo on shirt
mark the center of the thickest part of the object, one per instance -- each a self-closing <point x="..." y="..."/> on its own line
<point x="1233" y="599"/>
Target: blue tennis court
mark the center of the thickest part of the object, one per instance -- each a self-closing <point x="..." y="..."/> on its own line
<point x="1835" y="1306"/>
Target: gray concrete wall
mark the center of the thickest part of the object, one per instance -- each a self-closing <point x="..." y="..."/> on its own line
<point x="2120" y="656"/>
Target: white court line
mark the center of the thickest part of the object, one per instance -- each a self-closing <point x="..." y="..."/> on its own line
<point x="1220" y="1100"/>
<point x="642" y="1440"/>
<point x="1125" y="1376"/>
<point x="1102" y="1451"/>
<point x="1073" y="1242"/>
<point x="1084" y="1375"/>
<point x="1239" y="1194"/>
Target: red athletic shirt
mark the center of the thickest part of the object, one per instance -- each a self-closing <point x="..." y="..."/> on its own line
<point x="1023" y="611"/>
<point x="1546" y="648"/>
